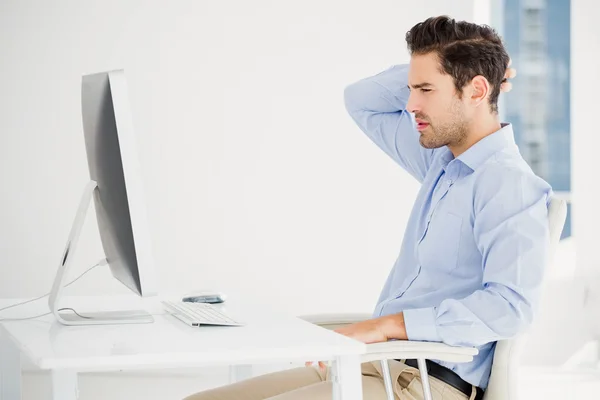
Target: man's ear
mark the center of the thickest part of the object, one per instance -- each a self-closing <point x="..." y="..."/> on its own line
<point x="480" y="88"/>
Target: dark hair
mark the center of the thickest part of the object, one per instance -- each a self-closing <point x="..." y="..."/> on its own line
<point x="464" y="49"/>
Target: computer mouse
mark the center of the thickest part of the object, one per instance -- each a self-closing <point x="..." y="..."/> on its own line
<point x="204" y="296"/>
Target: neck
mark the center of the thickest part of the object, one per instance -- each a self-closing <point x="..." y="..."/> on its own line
<point x="477" y="130"/>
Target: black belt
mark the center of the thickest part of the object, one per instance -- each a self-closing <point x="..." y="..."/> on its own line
<point x="447" y="376"/>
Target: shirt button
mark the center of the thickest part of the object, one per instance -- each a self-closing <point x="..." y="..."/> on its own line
<point x="449" y="181"/>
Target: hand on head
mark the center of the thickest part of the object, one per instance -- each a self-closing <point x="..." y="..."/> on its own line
<point x="510" y="73"/>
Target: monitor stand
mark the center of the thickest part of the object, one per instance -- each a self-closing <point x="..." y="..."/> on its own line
<point x="88" y="318"/>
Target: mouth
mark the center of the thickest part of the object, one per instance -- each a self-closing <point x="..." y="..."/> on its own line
<point x="421" y="125"/>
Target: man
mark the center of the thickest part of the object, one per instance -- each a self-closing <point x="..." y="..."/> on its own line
<point x="473" y="254"/>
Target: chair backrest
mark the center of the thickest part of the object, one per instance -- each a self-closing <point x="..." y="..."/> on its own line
<point x="503" y="384"/>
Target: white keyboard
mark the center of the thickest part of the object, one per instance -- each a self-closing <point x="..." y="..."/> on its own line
<point x="196" y="314"/>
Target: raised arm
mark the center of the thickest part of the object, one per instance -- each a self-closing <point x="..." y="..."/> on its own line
<point x="378" y="105"/>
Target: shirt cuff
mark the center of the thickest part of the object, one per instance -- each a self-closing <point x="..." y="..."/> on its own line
<point x="420" y="324"/>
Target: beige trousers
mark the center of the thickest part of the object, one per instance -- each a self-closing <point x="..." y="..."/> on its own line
<point x="309" y="383"/>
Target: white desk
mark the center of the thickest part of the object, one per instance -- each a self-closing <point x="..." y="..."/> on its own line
<point x="166" y="343"/>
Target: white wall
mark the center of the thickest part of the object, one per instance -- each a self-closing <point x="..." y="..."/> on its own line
<point x="585" y="86"/>
<point x="257" y="182"/>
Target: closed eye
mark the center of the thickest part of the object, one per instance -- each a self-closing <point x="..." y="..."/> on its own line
<point x="425" y="90"/>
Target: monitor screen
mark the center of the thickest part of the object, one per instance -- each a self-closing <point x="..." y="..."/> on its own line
<point x="112" y="161"/>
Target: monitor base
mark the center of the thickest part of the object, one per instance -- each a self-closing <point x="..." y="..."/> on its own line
<point x="96" y="317"/>
<point x="104" y="317"/>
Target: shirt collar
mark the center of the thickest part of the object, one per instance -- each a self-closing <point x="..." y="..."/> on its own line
<point x="481" y="151"/>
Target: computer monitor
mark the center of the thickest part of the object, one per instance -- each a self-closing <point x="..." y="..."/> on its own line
<point x="116" y="188"/>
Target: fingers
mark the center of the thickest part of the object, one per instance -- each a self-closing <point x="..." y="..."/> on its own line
<point x="506" y="87"/>
<point x="510" y="73"/>
<point x="322" y="365"/>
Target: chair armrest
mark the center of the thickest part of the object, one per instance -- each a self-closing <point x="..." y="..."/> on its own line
<point x="395" y="349"/>
<point x="403" y="349"/>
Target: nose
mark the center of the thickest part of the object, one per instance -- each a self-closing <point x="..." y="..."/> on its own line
<point x="412" y="105"/>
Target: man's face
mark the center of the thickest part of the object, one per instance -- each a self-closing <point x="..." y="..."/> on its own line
<point x="440" y="113"/>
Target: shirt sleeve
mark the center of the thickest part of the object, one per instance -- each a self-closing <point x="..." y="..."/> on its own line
<point x="511" y="232"/>
<point x="378" y="106"/>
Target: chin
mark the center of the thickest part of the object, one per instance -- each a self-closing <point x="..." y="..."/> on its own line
<point x="426" y="143"/>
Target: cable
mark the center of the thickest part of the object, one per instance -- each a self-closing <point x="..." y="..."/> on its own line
<point x="102" y="262"/>
<point x="23" y="319"/>
<point x="42" y="315"/>
<point x="61" y="309"/>
<point x="79" y="315"/>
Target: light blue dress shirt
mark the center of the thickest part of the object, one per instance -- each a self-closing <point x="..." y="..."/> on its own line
<point x="474" y="251"/>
